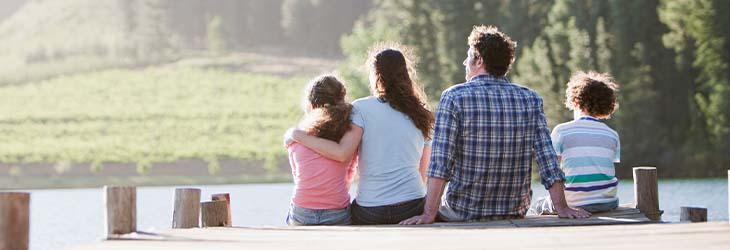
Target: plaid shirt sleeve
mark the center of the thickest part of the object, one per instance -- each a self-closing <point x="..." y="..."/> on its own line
<point x="444" y="139"/>
<point x="546" y="158"/>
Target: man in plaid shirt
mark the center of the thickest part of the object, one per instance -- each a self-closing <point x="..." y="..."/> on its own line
<point x="487" y="132"/>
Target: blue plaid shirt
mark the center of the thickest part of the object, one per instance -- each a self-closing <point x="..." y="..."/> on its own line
<point x="487" y="131"/>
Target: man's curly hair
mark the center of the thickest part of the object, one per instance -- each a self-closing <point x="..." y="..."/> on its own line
<point x="496" y="49"/>
<point x="593" y="93"/>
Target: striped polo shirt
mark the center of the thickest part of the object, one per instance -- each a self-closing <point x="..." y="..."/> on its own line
<point x="587" y="148"/>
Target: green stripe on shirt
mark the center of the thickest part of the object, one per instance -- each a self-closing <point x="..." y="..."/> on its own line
<point x="588" y="178"/>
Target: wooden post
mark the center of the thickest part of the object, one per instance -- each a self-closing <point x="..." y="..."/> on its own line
<point x="693" y="214"/>
<point x="646" y="192"/>
<point x="186" y="213"/>
<point x="227" y="199"/>
<point x="215" y="214"/>
<point x="121" y="210"/>
<point x="14" y="221"/>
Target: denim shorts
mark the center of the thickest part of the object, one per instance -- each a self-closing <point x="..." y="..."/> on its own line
<point x="299" y="216"/>
<point x="388" y="214"/>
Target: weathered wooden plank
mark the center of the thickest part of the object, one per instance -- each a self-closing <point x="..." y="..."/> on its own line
<point x="121" y="210"/>
<point x="227" y="198"/>
<point x="706" y="236"/>
<point x="14" y="220"/>
<point x="693" y="214"/>
<point x="215" y="214"/>
<point x="186" y="213"/>
<point x="646" y="192"/>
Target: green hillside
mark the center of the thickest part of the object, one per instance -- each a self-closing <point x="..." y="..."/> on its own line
<point x="148" y="116"/>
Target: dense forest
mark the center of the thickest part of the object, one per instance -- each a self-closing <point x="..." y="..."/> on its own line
<point x="669" y="56"/>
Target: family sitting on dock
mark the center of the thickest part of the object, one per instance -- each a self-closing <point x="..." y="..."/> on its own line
<point x="470" y="161"/>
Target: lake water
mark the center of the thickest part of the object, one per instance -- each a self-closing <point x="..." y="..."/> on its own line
<point x="67" y="217"/>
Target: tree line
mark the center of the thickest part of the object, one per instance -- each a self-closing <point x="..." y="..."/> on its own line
<point x="306" y="27"/>
<point x="669" y="56"/>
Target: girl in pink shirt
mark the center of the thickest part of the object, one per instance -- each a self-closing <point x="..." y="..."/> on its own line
<point x="321" y="184"/>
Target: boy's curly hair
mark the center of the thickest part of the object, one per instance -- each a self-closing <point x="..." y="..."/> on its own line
<point x="593" y="93"/>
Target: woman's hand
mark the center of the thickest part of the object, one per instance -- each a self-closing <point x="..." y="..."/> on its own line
<point x="419" y="219"/>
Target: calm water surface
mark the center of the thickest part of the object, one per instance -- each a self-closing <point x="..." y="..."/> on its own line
<point x="68" y="217"/>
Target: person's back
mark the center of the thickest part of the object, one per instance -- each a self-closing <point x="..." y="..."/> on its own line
<point x="321" y="185"/>
<point x="499" y="126"/>
<point x="586" y="146"/>
<point x="319" y="182"/>
<point x="488" y="131"/>
<point x="390" y="152"/>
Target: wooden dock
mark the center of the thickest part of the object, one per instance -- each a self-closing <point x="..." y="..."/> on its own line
<point x="602" y="231"/>
<point x="630" y="226"/>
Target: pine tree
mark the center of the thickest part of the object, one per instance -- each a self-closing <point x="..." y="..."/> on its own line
<point x="699" y="35"/>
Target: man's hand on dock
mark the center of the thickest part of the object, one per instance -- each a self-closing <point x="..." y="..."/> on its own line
<point x="572" y="213"/>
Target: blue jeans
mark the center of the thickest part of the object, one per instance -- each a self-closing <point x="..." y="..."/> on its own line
<point x="388" y="214"/>
<point x="544" y="205"/>
<point x="299" y="216"/>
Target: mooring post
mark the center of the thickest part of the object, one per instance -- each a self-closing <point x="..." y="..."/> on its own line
<point x="14" y="221"/>
<point x="186" y="213"/>
<point x="227" y="198"/>
<point x="646" y="194"/>
<point x="121" y="210"/>
<point x="215" y="214"/>
<point x="693" y="214"/>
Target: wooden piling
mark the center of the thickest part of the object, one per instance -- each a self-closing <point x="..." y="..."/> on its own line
<point x="215" y="214"/>
<point x="121" y="210"/>
<point x="186" y="213"/>
<point x="646" y="192"/>
<point x="14" y="221"/>
<point x="227" y="198"/>
<point x="693" y="214"/>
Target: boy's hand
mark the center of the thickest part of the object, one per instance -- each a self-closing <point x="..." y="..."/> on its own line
<point x="571" y="213"/>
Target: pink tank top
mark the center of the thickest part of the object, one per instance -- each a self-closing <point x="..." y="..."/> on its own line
<point x="319" y="182"/>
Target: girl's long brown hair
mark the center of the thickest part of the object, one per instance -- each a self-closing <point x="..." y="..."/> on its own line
<point x="329" y="117"/>
<point x="395" y="84"/>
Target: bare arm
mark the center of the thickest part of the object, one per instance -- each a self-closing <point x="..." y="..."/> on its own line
<point x="550" y="174"/>
<point x="342" y="151"/>
<point x="433" y="202"/>
<point x="557" y="194"/>
<point x="425" y="160"/>
<point x="440" y="161"/>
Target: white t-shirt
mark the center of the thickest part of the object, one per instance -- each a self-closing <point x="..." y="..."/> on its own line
<point x="390" y="154"/>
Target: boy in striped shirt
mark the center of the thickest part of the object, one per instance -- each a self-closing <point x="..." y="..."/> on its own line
<point x="586" y="147"/>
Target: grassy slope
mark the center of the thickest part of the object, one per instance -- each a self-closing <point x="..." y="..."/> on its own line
<point x="153" y="115"/>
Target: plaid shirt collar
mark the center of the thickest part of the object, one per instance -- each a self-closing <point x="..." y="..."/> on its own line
<point x="487" y="78"/>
